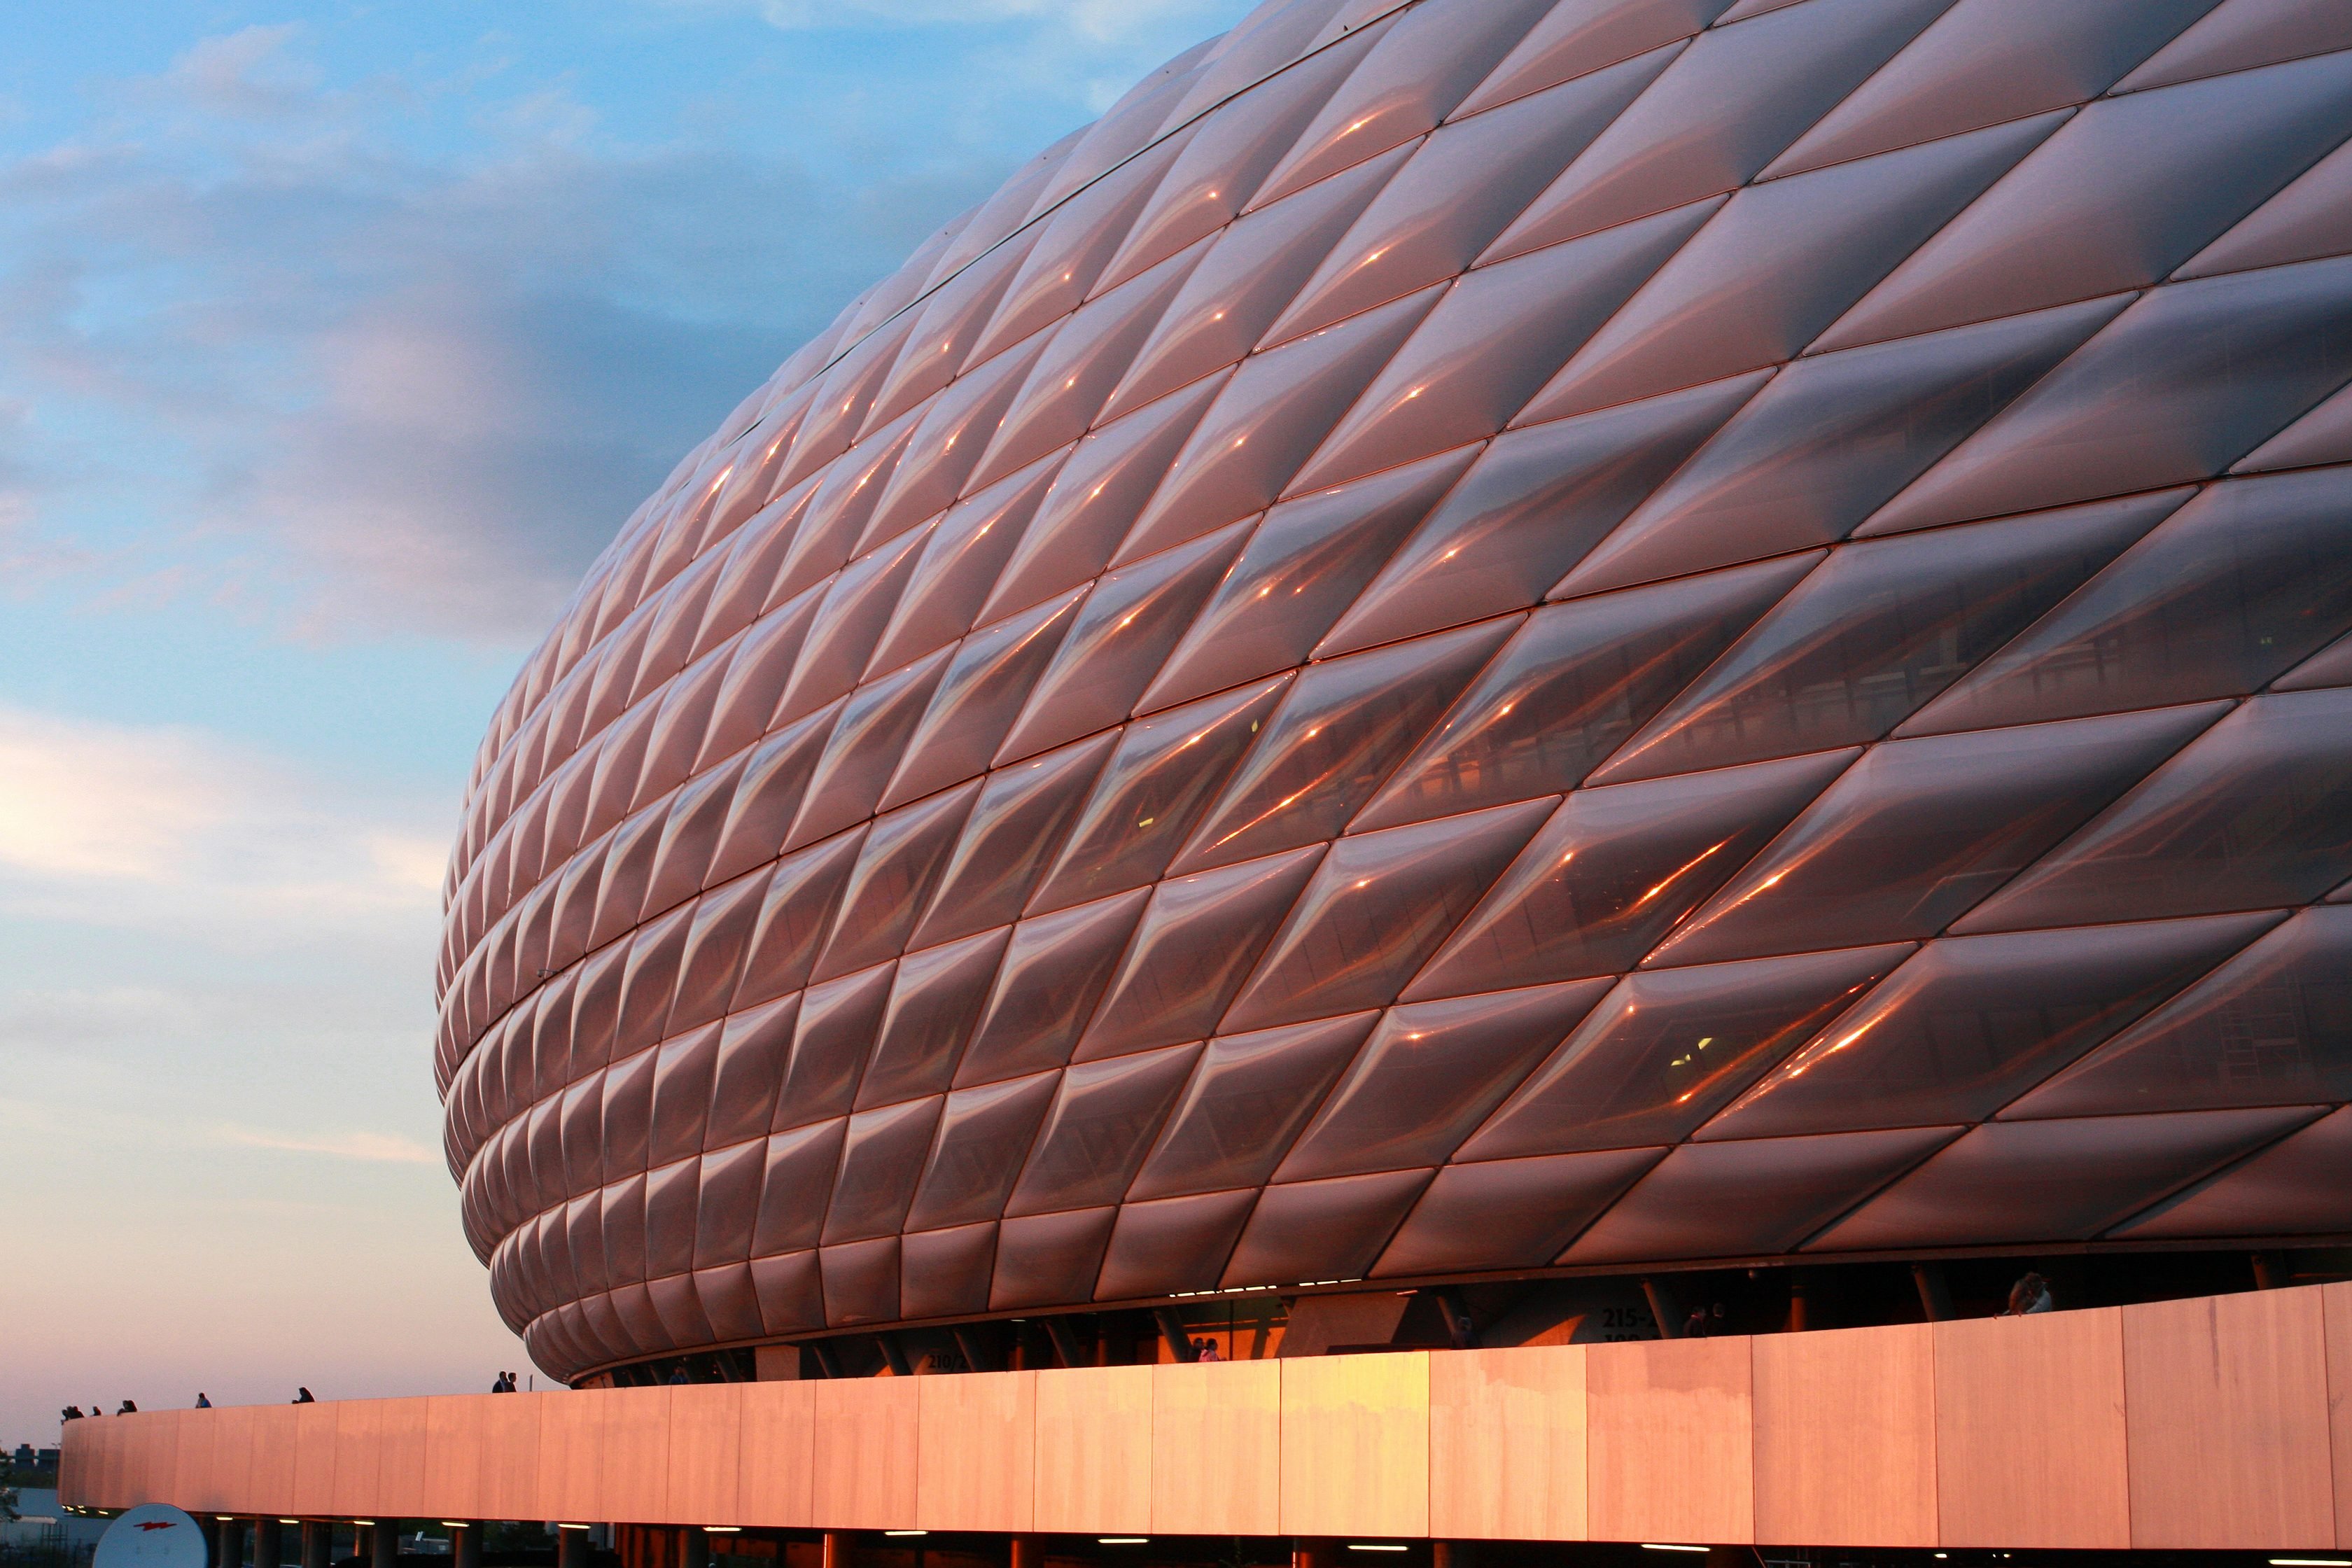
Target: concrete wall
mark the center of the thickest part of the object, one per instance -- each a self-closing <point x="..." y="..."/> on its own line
<point x="2221" y="1422"/>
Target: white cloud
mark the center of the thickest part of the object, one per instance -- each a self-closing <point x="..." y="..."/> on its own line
<point x="380" y="1148"/>
<point x="170" y="827"/>
<point x="1101" y="20"/>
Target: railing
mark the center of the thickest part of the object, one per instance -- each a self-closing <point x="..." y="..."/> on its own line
<point x="2218" y="1422"/>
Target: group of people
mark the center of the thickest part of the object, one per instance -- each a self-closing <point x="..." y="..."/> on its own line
<point x="503" y="1384"/>
<point x="74" y="1412"/>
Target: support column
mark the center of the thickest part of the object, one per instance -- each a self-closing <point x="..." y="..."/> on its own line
<point x="229" y="1542"/>
<point x="268" y="1543"/>
<point x="318" y="1543"/>
<point x="571" y="1547"/>
<point x="1934" y="1295"/>
<point x="1028" y="1551"/>
<point x="1314" y="1552"/>
<point x="384" y="1543"/>
<point x="698" y="1548"/>
<point x="1453" y="1554"/>
<point x="1662" y="1310"/>
<point x="837" y="1545"/>
<point x="466" y="1546"/>
<point x="1171" y="1330"/>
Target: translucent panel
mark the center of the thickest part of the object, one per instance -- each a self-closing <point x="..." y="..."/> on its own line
<point x="1379" y="905"/>
<point x="1094" y="501"/>
<point x="756" y="676"/>
<point x="2161" y="397"/>
<point x="1054" y="969"/>
<point x="1779" y="263"/>
<point x="2244" y="582"/>
<point x="837" y="1024"/>
<point x="754" y="1053"/>
<point x="753" y="565"/>
<point x="1118" y="641"/>
<point x="1877" y="630"/>
<point x="1918" y="831"/>
<point x="861" y="1282"/>
<point x="1461" y="187"/>
<point x="1508" y="1214"/>
<point x="1579" y="36"/>
<point x="2130" y="189"/>
<point x="1615" y="869"/>
<point x="596" y="1009"/>
<point x="678" y="739"/>
<point x="789" y="1296"/>
<point x="840" y="406"/>
<point x="947" y="329"/>
<point x="1430" y="1075"/>
<point x="1129" y="125"/>
<point x="2054" y="1180"/>
<point x="1103" y="1121"/>
<point x="1049" y="1260"/>
<point x="1528" y="511"/>
<point x="1302" y="566"/>
<point x="1336" y="735"/>
<point x="855" y="609"/>
<point x="984" y="1135"/>
<point x="1827" y="442"/>
<point x="1075" y="375"/>
<point x="1492" y="340"/>
<point x="1157" y="1249"/>
<point x="864" y="747"/>
<point x="1274" y="411"/>
<point x="726" y="1205"/>
<point x="2323" y="434"/>
<point x="2257" y="814"/>
<point x="1428" y="62"/>
<point x="2272" y="1026"/>
<point x="1014" y="829"/>
<point x="797" y="1187"/>
<point x="837" y="514"/>
<point x="881" y="1158"/>
<point x="1235" y="291"/>
<point x="650" y="984"/>
<point x="955" y="432"/>
<point x="934" y="1003"/>
<point x="794" y="917"/>
<point x="903" y="856"/>
<point x="1008" y="210"/>
<point x="977" y="700"/>
<point x="1668" y="1049"/>
<point x="2246" y="33"/>
<point x="1725" y="108"/>
<point x="2294" y="1186"/>
<point x="2304" y="221"/>
<point x="961" y="559"/>
<point x="1310" y="1232"/>
<point x="623" y="1205"/>
<point x="728" y="1301"/>
<point x="1970" y="1023"/>
<point x="2331" y="666"/>
<point x="690" y="837"/>
<point x="1573" y="683"/>
<point x="1748" y="1200"/>
<point x="684" y="1070"/>
<point x="946" y="1272"/>
<point x="1197" y="942"/>
<point x="1231" y="155"/>
<point x="1166" y="770"/>
<point x="1076" y="243"/>
<point x="1249" y="1096"/>
<point x="1983" y="62"/>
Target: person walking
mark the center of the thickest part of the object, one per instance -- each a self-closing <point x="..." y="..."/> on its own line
<point x="203" y="1400"/>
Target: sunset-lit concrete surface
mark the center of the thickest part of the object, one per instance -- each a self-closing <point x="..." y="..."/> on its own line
<point x="2213" y="1423"/>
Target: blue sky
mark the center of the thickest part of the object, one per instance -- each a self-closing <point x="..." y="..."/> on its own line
<point x="334" y="341"/>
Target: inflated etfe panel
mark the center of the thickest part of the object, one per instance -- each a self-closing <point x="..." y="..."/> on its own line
<point x="1470" y="636"/>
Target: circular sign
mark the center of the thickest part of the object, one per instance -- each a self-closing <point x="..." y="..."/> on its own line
<point x="152" y="1535"/>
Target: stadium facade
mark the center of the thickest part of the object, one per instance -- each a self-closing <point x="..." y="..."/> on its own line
<point x="1482" y="677"/>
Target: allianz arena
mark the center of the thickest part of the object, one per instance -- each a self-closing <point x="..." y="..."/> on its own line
<point x="1499" y="648"/>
